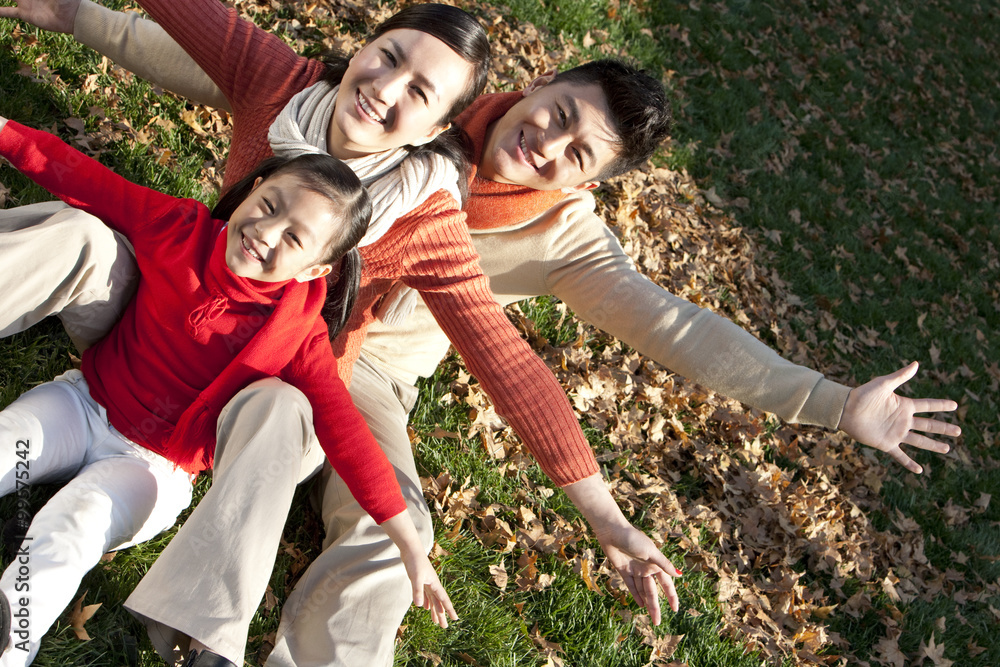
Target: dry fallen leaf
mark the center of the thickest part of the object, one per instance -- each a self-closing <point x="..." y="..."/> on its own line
<point x="934" y="652"/>
<point x="79" y="615"/>
<point x="499" y="574"/>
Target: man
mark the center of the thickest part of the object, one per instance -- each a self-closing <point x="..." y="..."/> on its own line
<point x="538" y="153"/>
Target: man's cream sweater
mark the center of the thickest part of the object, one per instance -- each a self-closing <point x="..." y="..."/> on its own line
<point x="567" y="251"/>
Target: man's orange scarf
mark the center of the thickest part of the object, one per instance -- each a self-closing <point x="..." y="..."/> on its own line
<point x="491" y="205"/>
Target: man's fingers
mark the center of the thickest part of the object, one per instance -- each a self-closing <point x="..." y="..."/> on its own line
<point x="901" y="376"/>
<point x="936" y="426"/>
<point x="923" y="442"/>
<point x="905" y="460"/>
<point x="922" y="405"/>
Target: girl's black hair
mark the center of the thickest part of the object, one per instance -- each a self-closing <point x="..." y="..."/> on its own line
<point x="330" y="177"/>
<point x="466" y="37"/>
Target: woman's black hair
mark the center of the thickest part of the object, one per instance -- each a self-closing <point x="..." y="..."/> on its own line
<point x="330" y="177"/>
<point x="466" y="37"/>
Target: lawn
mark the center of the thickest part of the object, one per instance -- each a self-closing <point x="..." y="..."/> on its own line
<point x="831" y="186"/>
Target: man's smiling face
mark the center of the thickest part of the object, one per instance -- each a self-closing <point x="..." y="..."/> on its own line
<point x="557" y="138"/>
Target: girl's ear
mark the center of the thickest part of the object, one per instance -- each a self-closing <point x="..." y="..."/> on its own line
<point x="257" y="182"/>
<point x="313" y="272"/>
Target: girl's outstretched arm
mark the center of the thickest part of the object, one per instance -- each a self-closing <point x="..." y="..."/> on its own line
<point x="361" y="463"/>
<point x="427" y="589"/>
<point x="79" y="180"/>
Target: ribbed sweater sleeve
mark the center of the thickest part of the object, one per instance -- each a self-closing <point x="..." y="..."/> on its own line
<point x="342" y="432"/>
<point x="145" y="49"/>
<point x="80" y="181"/>
<point x="256" y="71"/>
<point x="522" y="388"/>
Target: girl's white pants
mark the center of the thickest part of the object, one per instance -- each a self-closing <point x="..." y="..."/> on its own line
<point x="117" y="494"/>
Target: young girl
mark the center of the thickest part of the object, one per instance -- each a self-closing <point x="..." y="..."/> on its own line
<point x="218" y="307"/>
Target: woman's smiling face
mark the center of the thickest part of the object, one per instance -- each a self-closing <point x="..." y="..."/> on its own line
<point x="395" y="92"/>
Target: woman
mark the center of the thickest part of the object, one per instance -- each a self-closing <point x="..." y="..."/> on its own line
<point x="428" y="250"/>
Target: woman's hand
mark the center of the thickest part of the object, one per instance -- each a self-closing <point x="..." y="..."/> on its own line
<point x="642" y="567"/>
<point x="878" y="417"/>
<point x="629" y="550"/>
<point x="54" y="15"/>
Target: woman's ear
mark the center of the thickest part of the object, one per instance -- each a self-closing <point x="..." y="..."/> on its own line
<point x="432" y="135"/>
<point x="313" y="272"/>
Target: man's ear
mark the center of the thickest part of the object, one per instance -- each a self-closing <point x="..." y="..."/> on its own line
<point x="589" y="185"/>
<point x="540" y="81"/>
<point x="313" y="272"/>
<point x="432" y="135"/>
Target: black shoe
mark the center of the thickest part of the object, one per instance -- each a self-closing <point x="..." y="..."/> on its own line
<point x="12" y="535"/>
<point x="206" y="659"/>
<point x="4" y="622"/>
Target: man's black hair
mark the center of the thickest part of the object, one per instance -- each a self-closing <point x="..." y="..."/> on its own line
<point x="639" y="109"/>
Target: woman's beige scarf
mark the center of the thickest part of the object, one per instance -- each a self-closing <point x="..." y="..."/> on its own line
<point x="396" y="181"/>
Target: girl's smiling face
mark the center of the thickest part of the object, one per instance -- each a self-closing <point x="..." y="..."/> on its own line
<point x="395" y="92"/>
<point x="282" y="231"/>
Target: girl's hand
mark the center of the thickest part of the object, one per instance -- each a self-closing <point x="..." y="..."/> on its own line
<point x="428" y="591"/>
<point x="54" y="15"/>
<point x="875" y="415"/>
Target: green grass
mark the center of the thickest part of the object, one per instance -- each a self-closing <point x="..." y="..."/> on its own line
<point x="866" y="137"/>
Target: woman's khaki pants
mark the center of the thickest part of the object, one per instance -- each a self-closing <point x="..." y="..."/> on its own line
<point x="210" y="579"/>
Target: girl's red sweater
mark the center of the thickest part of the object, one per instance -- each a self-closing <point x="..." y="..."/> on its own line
<point x="428" y="250"/>
<point x="195" y="333"/>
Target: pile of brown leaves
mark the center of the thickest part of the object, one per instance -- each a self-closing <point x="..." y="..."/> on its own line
<point x="777" y="514"/>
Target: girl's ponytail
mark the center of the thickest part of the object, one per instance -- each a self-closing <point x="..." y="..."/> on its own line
<point x="342" y="292"/>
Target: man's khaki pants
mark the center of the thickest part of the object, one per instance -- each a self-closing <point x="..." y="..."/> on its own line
<point x="61" y="261"/>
